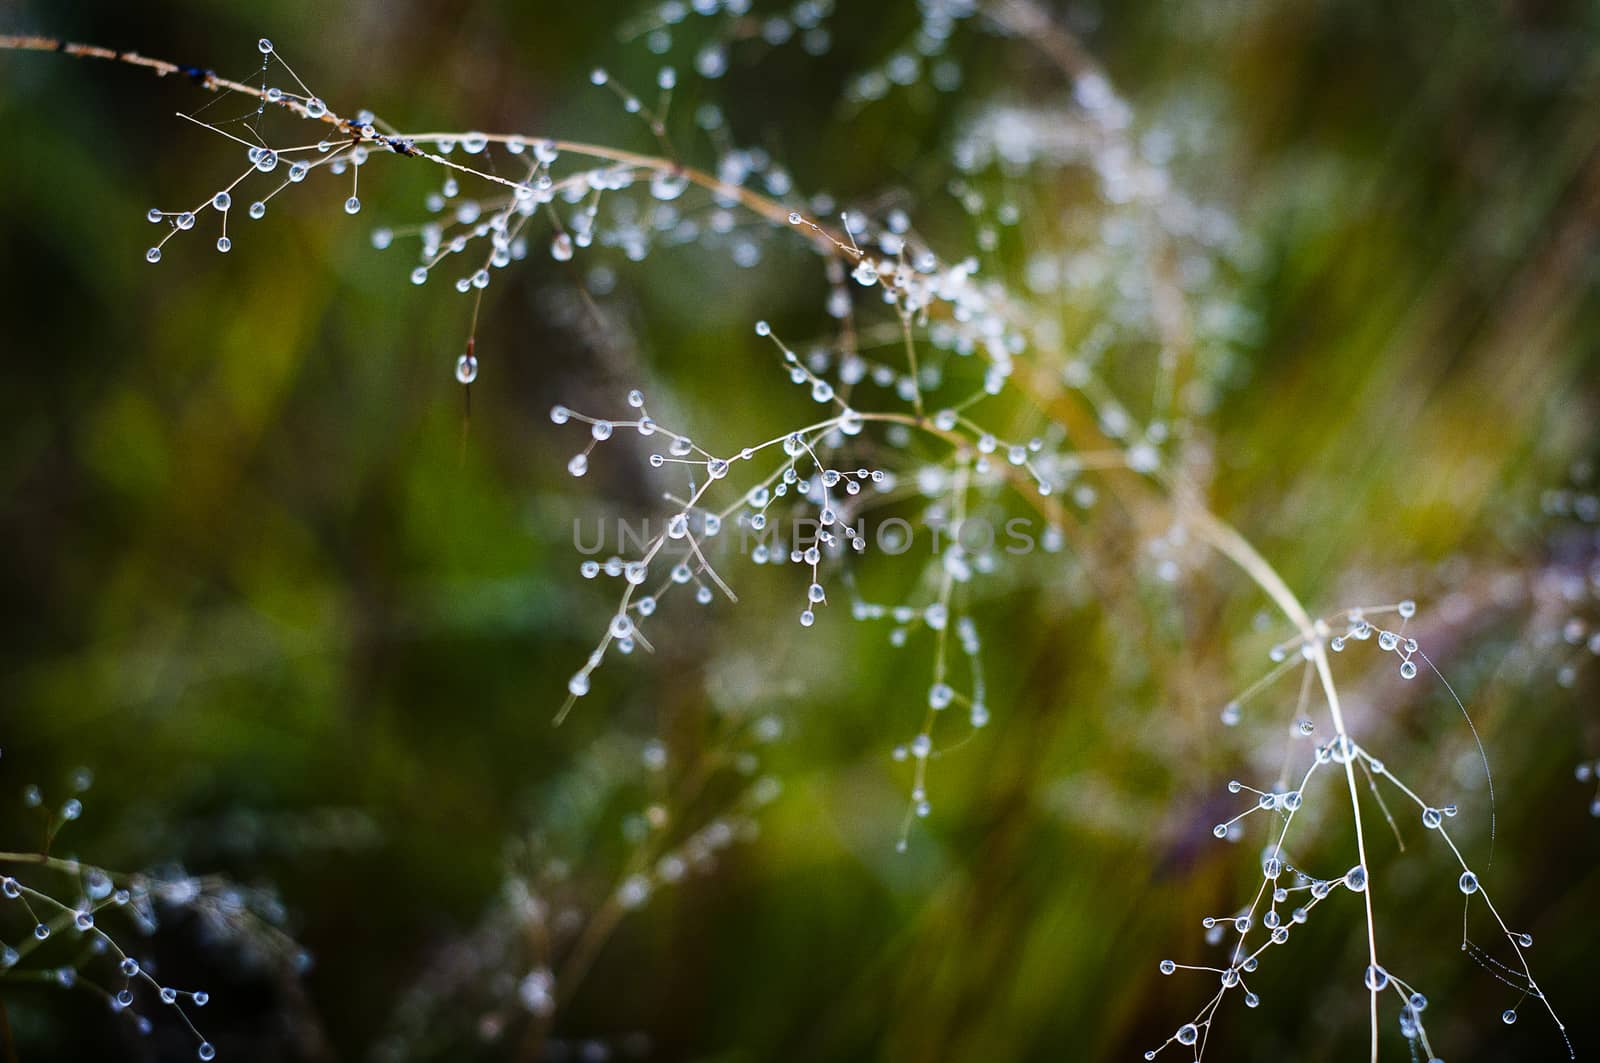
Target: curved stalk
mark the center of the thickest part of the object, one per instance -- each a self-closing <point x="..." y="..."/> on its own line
<point x="1228" y="542"/>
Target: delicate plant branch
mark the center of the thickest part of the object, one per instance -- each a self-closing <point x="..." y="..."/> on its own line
<point x="922" y="289"/>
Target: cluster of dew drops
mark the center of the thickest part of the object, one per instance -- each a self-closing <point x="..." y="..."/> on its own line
<point x="98" y="889"/>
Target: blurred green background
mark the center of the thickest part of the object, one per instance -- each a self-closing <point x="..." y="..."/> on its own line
<point x="308" y="623"/>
